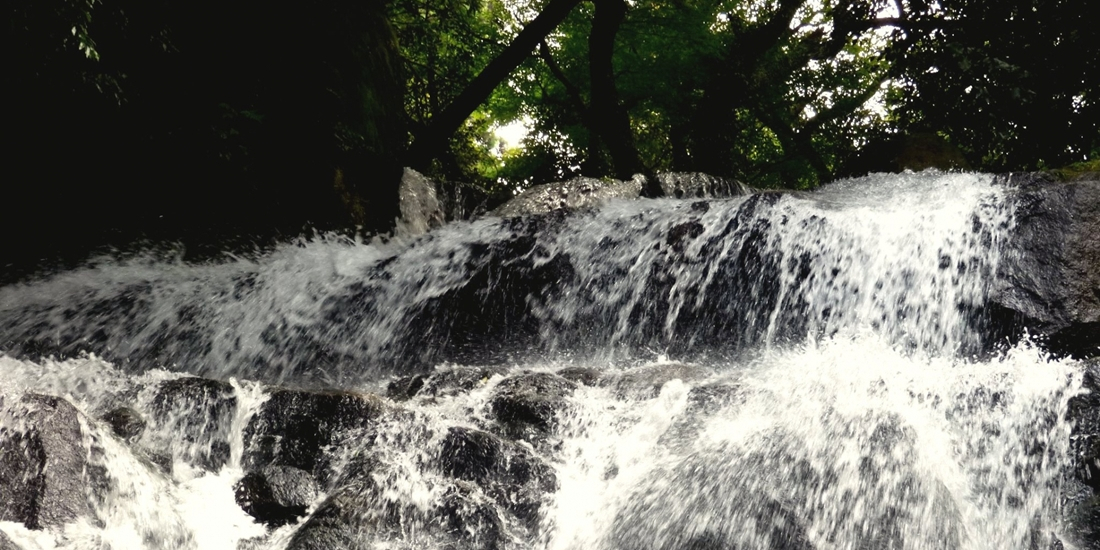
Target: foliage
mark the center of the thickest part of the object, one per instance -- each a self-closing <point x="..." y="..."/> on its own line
<point x="770" y="92"/>
<point x="246" y="115"/>
<point x="166" y="117"/>
<point x="1016" y="84"/>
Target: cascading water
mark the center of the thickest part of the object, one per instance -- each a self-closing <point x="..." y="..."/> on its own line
<point x="796" y="371"/>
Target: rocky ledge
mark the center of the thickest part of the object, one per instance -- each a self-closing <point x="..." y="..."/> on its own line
<point x="1050" y="278"/>
<point x="322" y="460"/>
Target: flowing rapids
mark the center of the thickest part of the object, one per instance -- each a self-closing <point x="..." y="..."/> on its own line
<point x="788" y="371"/>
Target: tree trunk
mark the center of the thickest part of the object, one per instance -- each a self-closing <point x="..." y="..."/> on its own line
<point x="607" y="116"/>
<point x="429" y="142"/>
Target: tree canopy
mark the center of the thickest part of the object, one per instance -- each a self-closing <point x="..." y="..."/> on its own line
<point x="787" y="93"/>
<point x="247" y="114"/>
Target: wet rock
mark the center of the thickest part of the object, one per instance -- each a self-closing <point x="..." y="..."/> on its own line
<point x="646" y="381"/>
<point x="471" y="522"/>
<point x="360" y="514"/>
<point x="294" y="427"/>
<point x="276" y="495"/>
<point x="125" y="423"/>
<point x="472" y="455"/>
<point x="421" y="210"/>
<point x="573" y="194"/>
<point x="584" y="376"/>
<point x="337" y="523"/>
<point x="531" y="399"/>
<point x="1083" y="522"/>
<point x="1050" y="277"/>
<point x="405" y="387"/>
<point x="1084" y="413"/>
<point x="515" y="478"/>
<point x="583" y="192"/>
<point x="699" y="185"/>
<point x="43" y="463"/>
<point x="681" y="234"/>
<point x="710" y="398"/>
<point x="6" y="543"/>
<point x="442" y="382"/>
<point x="193" y="418"/>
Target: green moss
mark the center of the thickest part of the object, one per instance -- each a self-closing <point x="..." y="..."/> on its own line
<point x="1078" y="171"/>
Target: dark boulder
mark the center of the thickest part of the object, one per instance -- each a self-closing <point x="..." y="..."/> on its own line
<point x="1050" y="278"/>
<point x="43" y="463"/>
<point x="193" y="418"/>
<point x="125" y="423"/>
<point x="294" y="427"/>
<point x="276" y="495"/>
<point x="531" y="400"/>
<point x="509" y="473"/>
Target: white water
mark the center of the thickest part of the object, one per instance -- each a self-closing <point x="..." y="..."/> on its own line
<point x="845" y="399"/>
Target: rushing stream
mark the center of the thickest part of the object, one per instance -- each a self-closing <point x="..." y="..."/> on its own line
<point x="809" y="371"/>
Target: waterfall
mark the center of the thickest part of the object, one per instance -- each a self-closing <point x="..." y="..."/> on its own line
<point x="776" y="370"/>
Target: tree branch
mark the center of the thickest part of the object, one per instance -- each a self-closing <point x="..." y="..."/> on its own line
<point x="428" y="144"/>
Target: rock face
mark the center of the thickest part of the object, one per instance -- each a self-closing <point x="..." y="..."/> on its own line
<point x="1082" y="494"/>
<point x="1051" y="276"/>
<point x="42" y="463"/>
<point x="421" y="210"/>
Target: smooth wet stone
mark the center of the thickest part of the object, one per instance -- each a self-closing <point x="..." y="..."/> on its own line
<point x="43" y="463"/>
<point x="276" y="495"/>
